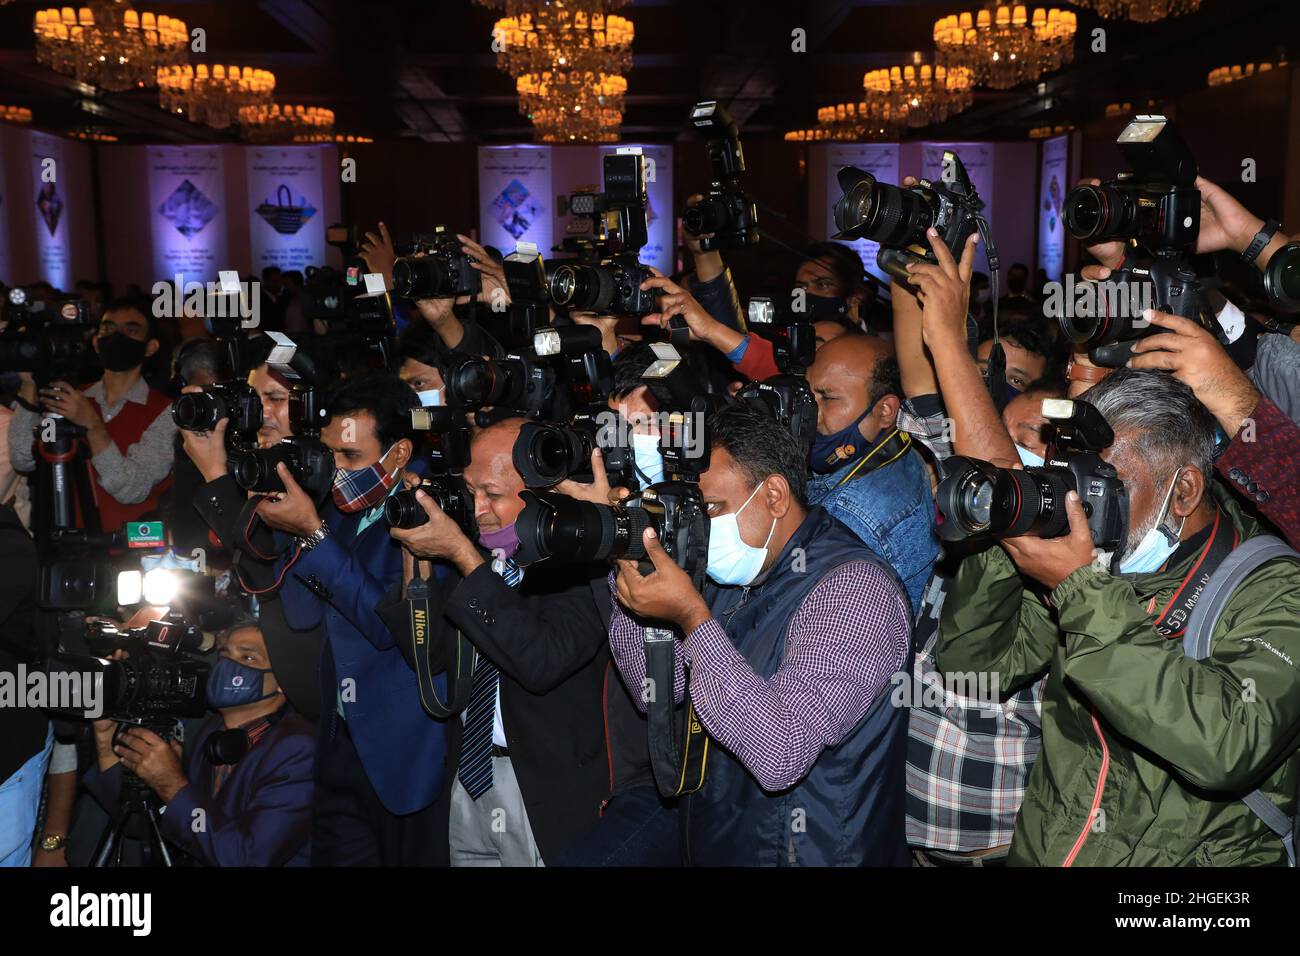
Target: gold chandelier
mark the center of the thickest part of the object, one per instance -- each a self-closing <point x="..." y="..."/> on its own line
<point x="918" y="94"/>
<point x="1005" y="46"/>
<point x="15" y="114"/>
<point x="340" y="138"/>
<point x="1231" y="74"/>
<point x="557" y="37"/>
<point x="569" y="107"/>
<point x="213" y="98"/>
<point x="280" y="123"/>
<point x="865" y="122"/>
<point x="1140" y="11"/>
<point x="108" y="44"/>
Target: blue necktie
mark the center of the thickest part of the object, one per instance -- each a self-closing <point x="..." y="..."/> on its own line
<point x="476" y="744"/>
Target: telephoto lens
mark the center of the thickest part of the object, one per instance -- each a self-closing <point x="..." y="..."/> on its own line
<point x="565" y="530"/>
<point x="402" y="510"/>
<point x="583" y="288"/>
<point x="425" y="277"/>
<point x="978" y="499"/>
<point x="870" y="209"/>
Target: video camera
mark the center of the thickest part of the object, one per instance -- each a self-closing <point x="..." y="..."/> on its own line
<point x="47" y="337"/>
<point x="977" y="499"/>
<point x="727" y="215"/>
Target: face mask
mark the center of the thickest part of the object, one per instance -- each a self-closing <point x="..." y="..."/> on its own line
<point x="121" y="353"/>
<point x="1157" y="544"/>
<point x="1028" y="458"/>
<point x="824" y="306"/>
<point x="362" y="488"/>
<point x="731" y="560"/>
<point x="825" y="455"/>
<point x="232" y="684"/>
<point x="430" y="397"/>
<point x="503" y="542"/>
<point x="649" y="460"/>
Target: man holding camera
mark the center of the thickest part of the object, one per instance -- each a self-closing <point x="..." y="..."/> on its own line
<point x="1147" y="754"/>
<point x="548" y="733"/>
<point x="243" y="795"/>
<point x="789" y="651"/>
<point x="127" y="425"/>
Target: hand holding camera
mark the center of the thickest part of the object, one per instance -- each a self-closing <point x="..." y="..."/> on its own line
<point x="155" y="761"/>
<point x="944" y="288"/>
<point x="667" y="594"/>
<point x="598" y="490"/>
<point x="1049" y="561"/>
<point x="438" y="537"/>
<point x="379" y="253"/>
<point x="293" y="510"/>
<point x="701" y="326"/>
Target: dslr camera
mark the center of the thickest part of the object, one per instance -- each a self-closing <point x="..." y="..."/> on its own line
<point x="977" y="499"/>
<point x="898" y="218"/>
<point x="47" y="337"/>
<point x="401" y="510"/>
<point x="545" y="453"/>
<point x="435" y="268"/>
<point x="512" y="383"/>
<point x="236" y="401"/>
<point x="789" y="400"/>
<point x="728" y="215"/>
<point x="1157" y="206"/>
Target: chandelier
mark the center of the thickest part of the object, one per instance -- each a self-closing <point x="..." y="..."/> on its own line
<point x="1231" y="74"/>
<point x="15" y="114"/>
<point x="1140" y="11"/>
<point x="860" y="122"/>
<point x="213" y="98"/>
<point x="278" y="123"/>
<point x="918" y="94"/>
<point x="1004" y="46"/>
<point x="569" y="107"/>
<point x="93" y="134"/>
<point x="558" y="37"/>
<point x="340" y="138"/>
<point x="108" y="44"/>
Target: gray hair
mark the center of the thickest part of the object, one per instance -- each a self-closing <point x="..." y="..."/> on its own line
<point x="1176" y="428"/>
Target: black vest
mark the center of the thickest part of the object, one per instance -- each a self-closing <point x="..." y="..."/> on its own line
<point x="848" y="808"/>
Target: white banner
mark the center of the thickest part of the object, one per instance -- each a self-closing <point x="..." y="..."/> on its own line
<point x="879" y="159"/>
<point x="978" y="160"/>
<point x="286" y="196"/>
<point x="187" y="201"/>
<point x="514" y="188"/>
<point x="49" y="192"/>
<point x="658" y="250"/>
<point x="1054" y="184"/>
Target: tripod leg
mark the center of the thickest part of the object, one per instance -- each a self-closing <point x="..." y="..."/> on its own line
<point x="111" y="841"/>
<point x="154" y="836"/>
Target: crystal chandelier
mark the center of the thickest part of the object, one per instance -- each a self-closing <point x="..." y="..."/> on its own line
<point x="15" y="114"/>
<point x="279" y="123"/>
<point x="213" y="98"/>
<point x="1231" y="74"/>
<point x="561" y="38"/>
<point x="918" y="94"/>
<point x="1004" y="46"/>
<point x="569" y="107"/>
<point x="108" y="44"/>
<point x="860" y="122"/>
<point x="1140" y="11"/>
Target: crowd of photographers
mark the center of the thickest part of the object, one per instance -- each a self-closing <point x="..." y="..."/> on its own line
<point x="513" y="562"/>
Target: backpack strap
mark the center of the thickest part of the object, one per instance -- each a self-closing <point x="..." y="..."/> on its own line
<point x="1235" y="568"/>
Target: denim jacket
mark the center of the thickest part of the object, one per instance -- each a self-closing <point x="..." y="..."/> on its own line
<point x="892" y="511"/>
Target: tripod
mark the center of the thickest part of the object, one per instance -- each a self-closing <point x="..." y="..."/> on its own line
<point x="140" y="804"/>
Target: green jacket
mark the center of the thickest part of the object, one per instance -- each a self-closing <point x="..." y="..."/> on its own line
<point x="1145" y="751"/>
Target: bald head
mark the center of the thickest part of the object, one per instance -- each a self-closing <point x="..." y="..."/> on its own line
<point x="491" y="476"/>
<point x="852" y="375"/>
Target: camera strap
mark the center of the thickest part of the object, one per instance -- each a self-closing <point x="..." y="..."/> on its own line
<point x="460" y="670"/>
<point x="1173" y="620"/>
<point x="678" y="768"/>
<point x="893" y="447"/>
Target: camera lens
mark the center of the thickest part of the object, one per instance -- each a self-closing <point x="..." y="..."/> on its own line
<point x="403" y="511"/>
<point x="477" y="382"/>
<point x="545" y="454"/>
<point x="199" y="411"/>
<point x="1282" y="279"/>
<point x="977" y="498"/>
<point x="1097" y="213"/>
<point x="707" y="216"/>
<point x="583" y="288"/>
<point x="869" y="209"/>
<point x="568" y="531"/>
<point x="426" y="277"/>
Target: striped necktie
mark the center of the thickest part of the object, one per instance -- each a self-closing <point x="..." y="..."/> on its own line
<point x="476" y="744"/>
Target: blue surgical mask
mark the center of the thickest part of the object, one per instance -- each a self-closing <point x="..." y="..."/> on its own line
<point x="731" y="560"/>
<point x="649" y="460"/>
<point x="430" y="397"/>
<point x="232" y="684"/>
<point x="1029" y="458"/>
<point x="824" y="457"/>
<point x="1157" y="544"/>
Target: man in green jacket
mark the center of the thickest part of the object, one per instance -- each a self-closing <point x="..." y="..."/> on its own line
<point x="1146" y="752"/>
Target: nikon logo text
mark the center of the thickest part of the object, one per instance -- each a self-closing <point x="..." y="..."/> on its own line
<point x="76" y="909"/>
<point x="418" y="623"/>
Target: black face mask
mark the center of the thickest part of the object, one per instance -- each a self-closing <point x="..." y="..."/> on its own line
<point x="825" y="306"/>
<point x="120" y="352"/>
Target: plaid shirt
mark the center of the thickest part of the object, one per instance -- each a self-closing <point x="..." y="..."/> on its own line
<point x="967" y="764"/>
<point x="930" y="428"/>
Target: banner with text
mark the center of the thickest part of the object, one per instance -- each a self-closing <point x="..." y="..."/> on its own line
<point x="187" y="202"/>
<point x="978" y="160"/>
<point x="286" y="196"/>
<point x="879" y="159"/>
<point x="1053" y="185"/>
<point x="514" y="188"/>
<point x="49" y="195"/>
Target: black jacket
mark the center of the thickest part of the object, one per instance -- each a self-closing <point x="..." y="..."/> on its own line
<point x="22" y="729"/>
<point x="574" y="735"/>
<point x="295" y="655"/>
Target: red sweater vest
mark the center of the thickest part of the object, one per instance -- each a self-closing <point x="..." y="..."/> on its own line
<point x="127" y="428"/>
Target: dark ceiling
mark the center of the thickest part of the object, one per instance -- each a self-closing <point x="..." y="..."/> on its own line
<point x="424" y="68"/>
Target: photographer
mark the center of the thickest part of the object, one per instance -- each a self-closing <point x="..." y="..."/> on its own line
<point x="380" y="758"/>
<point x="1168" y="745"/>
<point x="128" y="425"/>
<point x="790" y="652"/>
<point x="243" y="795"/>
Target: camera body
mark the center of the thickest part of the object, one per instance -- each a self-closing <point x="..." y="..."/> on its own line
<point x="789" y="400"/>
<point x="236" y="401"/>
<point x="727" y="214"/>
<point x="402" y="510"/>
<point x="513" y="383"/>
<point x="977" y="499"/>
<point x="611" y="286"/>
<point x="47" y="337"/>
<point x="444" y="271"/>
<point x="546" y="454"/>
<point x="898" y="218"/>
<point x="793" y="337"/>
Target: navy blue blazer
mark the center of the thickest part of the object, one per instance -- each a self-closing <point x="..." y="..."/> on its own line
<point x="262" y="815"/>
<point x="338" y="583"/>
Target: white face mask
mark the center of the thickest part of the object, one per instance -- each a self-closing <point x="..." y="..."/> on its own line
<point x="430" y="397"/>
<point x="1157" y="544"/>
<point x="731" y="560"/>
<point x="1030" y="459"/>
<point x="649" y="460"/>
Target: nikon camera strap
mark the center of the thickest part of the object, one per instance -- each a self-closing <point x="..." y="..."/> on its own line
<point x="678" y="768"/>
<point x="460" y="668"/>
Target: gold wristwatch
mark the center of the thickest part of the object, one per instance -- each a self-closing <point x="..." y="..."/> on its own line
<point x="51" y="843"/>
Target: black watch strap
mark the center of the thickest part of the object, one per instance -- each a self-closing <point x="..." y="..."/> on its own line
<point x="1262" y="238"/>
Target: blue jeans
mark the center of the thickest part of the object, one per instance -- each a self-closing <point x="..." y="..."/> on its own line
<point x="20" y="800"/>
<point x="636" y="829"/>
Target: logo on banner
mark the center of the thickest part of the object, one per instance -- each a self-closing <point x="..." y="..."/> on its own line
<point x="515" y="209"/>
<point x="285" y="215"/>
<point x="50" y="205"/>
<point x="188" y="209"/>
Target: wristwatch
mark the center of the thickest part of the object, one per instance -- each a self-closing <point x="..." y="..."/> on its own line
<point x="1262" y="238"/>
<point x="51" y="843"/>
<point x="315" y="538"/>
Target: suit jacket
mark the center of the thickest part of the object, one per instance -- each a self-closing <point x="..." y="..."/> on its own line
<point x="563" y="706"/>
<point x="262" y="814"/>
<point x="336" y="586"/>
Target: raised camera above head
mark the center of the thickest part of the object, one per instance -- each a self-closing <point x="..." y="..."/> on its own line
<point x="789" y="400"/>
<point x="727" y="216"/>
<point x="442" y="270"/>
<point x="614" y="221"/>
<point x="791" y="332"/>
<point x="609" y="287"/>
<point x="898" y="218"/>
